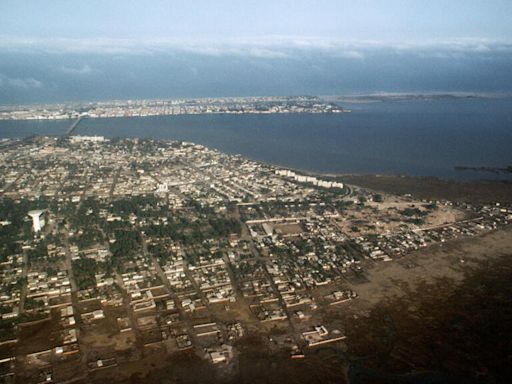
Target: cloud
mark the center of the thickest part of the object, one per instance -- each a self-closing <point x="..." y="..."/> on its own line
<point x="264" y="48"/>
<point x="349" y="54"/>
<point x="265" y="53"/>
<point x="455" y="48"/>
<point x="20" y="83"/>
<point x="83" y="70"/>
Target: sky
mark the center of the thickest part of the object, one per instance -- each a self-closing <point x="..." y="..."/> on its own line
<point x="225" y="19"/>
<point x="60" y="49"/>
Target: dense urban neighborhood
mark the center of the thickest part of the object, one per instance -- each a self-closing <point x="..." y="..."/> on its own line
<point x="142" y="108"/>
<point x="113" y="251"/>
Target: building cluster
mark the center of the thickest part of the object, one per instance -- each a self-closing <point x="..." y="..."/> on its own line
<point x="143" y="108"/>
<point x="145" y="247"/>
<point x="309" y="179"/>
<point x="11" y="283"/>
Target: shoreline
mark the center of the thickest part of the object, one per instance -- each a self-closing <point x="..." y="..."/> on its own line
<point x="68" y="119"/>
<point x="435" y="188"/>
<point x="426" y="187"/>
<point x="423" y="187"/>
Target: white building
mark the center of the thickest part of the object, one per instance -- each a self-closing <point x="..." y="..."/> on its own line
<point x="36" y="221"/>
<point x="81" y="139"/>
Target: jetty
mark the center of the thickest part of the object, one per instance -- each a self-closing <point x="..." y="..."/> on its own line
<point x="73" y="126"/>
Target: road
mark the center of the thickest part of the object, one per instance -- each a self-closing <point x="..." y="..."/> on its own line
<point x="73" y="126"/>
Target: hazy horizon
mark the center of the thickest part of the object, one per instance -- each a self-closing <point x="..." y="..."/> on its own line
<point x="62" y="51"/>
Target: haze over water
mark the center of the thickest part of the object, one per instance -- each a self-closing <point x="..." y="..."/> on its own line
<point x="420" y="138"/>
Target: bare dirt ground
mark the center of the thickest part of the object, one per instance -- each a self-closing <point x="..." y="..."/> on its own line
<point x="289" y="228"/>
<point x="387" y="216"/>
<point x="433" y="319"/>
<point x="448" y="260"/>
<point x="444" y="215"/>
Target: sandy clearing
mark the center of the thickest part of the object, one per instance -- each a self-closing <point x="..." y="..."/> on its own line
<point x="448" y="260"/>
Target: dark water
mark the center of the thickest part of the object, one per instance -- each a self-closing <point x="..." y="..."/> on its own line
<point x="23" y="128"/>
<point x="424" y="138"/>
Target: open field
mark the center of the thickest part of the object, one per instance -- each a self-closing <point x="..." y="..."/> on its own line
<point x="442" y="261"/>
<point x="439" y="332"/>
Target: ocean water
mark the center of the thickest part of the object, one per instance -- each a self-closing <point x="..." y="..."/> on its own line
<point x="419" y="138"/>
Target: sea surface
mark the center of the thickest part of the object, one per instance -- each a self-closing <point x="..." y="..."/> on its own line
<point x="417" y="138"/>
